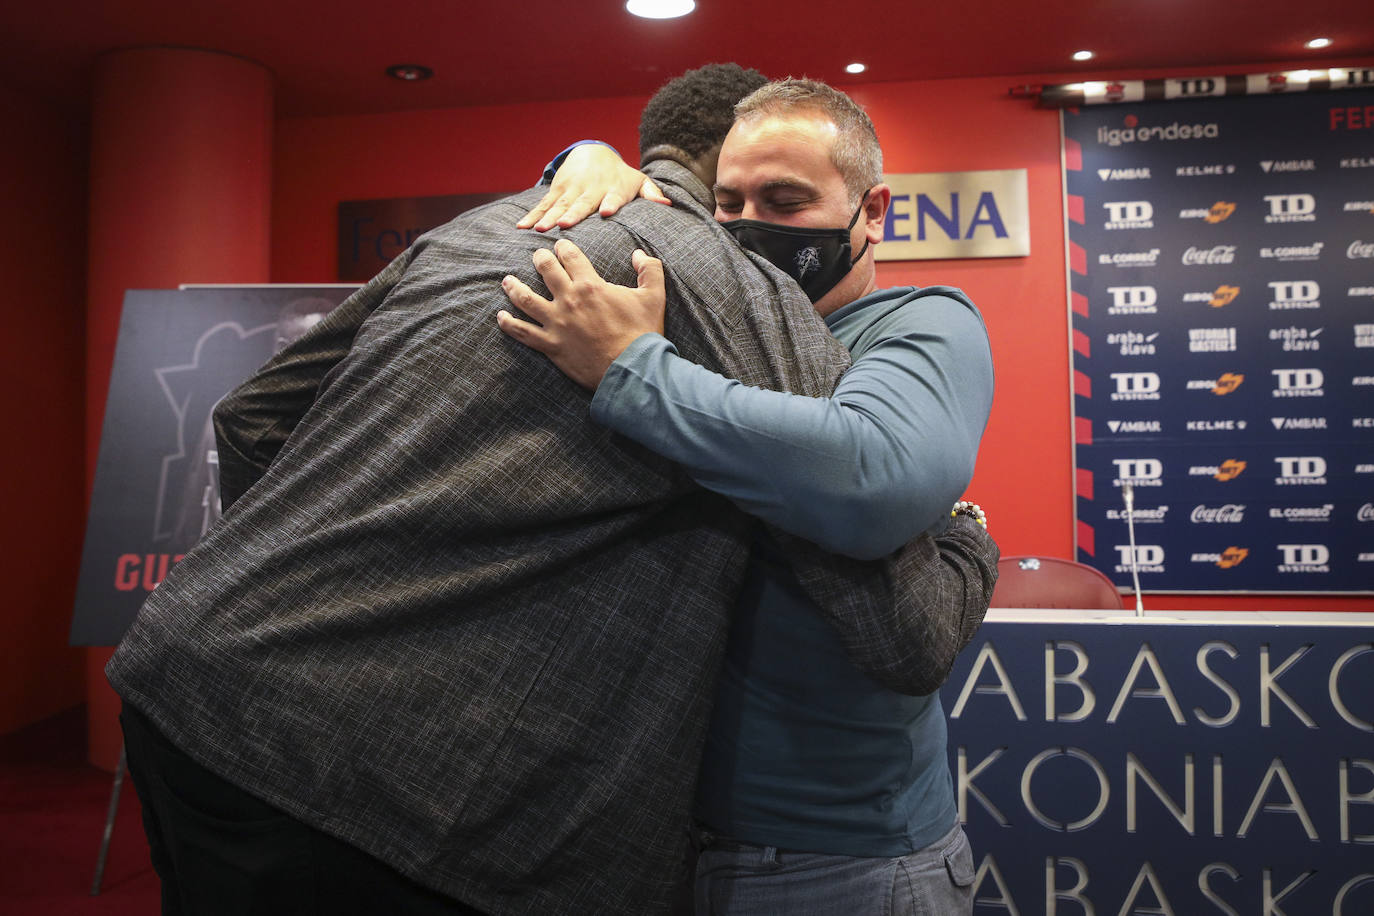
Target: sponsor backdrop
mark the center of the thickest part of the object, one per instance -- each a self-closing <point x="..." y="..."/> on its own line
<point x="1221" y="266"/>
<point x="156" y="481"/>
<point x="1176" y="768"/>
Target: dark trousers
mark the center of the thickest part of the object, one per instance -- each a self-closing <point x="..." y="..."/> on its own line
<point x="222" y="852"/>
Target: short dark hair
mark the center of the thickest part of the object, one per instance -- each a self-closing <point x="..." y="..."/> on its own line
<point x="694" y="111"/>
<point x="856" y="153"/>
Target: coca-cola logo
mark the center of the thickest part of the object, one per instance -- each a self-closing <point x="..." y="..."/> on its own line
<point x="1218" y="254"/>
<point x="1366" y="513"/>
<point x="1360" y="249"/>
<point x="1231" y="513"/>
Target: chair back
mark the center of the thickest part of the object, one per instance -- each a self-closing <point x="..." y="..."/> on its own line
<point x="1052" y="582"/>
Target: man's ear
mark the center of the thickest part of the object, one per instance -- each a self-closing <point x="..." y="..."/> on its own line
<point x="875" y="212"/>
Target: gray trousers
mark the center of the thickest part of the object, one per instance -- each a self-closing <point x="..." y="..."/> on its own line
<point x="737" y="879"/>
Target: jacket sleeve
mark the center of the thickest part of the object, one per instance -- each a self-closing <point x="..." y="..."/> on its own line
<point x="253" y="421"/>
<point x="903" y="619"/>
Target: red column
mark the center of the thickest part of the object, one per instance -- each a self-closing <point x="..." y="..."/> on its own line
<point x="181" y="183"/>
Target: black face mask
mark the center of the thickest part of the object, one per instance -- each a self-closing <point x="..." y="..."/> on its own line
<point x="817" y="259"/>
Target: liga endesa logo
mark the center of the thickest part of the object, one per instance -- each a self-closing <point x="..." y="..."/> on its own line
<point x="1132" y="131"/>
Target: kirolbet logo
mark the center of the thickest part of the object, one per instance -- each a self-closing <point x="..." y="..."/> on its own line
<point x="1229" y="469"/>
<point x="1228" y="382"/>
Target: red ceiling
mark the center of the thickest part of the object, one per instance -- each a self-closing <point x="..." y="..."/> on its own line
<point x="330" y="57"/>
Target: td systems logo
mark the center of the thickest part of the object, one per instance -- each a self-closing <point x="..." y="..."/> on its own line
<point x="1301" y="471"/>
<point x="1132" y="300"/>
<point x="1295" y="294"/>
<point x="1135" y="386"/>
<point x="1129" y="214"/>
<point x="1140" y="472"/>
<point x="1298" y="383"/>
<point x="1291" y="208"/>
<point x="1304" y="558"/>
<point x="1148" y="558"/>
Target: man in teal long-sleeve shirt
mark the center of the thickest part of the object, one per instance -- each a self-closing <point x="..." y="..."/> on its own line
<point x="824" y="788"/>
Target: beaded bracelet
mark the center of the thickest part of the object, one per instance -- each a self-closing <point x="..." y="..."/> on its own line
<point x="972" y="510"/>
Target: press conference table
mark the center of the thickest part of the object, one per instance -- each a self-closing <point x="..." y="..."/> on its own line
<point x="1178" y="762"/>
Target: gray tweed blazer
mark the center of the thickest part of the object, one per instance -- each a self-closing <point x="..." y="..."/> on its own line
<point x="449" y="620"/>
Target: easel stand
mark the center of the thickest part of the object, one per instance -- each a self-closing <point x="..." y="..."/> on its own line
<point x="120" y="768"/>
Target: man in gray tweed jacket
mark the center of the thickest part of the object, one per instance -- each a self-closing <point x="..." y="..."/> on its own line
<point x="447" y="620"/>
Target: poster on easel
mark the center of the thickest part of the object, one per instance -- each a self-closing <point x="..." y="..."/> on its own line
<point x="156" y="483"/>
<point x="1221" y="286"/>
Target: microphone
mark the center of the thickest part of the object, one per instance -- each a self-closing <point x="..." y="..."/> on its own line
<point x="1128" y="497"/>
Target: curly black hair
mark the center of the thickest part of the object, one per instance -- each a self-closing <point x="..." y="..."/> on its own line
<point x="694" y="111"/>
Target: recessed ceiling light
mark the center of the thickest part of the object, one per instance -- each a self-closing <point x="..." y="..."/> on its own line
<point x="1319" y="43"/>
<point x="856" y="68"/>
<point x="411" y="73"/>
<point x="660" y="9"/>
<point x="1082" y="55"/>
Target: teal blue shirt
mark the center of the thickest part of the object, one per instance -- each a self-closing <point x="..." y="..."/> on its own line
<point x="859" y="473"/>
<point x="805" y="751"/>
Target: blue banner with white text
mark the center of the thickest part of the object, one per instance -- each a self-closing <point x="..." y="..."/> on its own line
<point x="1166" y="768"/>
<point x="1221" y="264"/>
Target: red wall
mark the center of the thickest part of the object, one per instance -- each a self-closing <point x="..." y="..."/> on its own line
<point x="42" y="400"/>
<point x="1023" y="479"/>
<point x="1024" y="476"/>
<point x="321" y="161"/>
